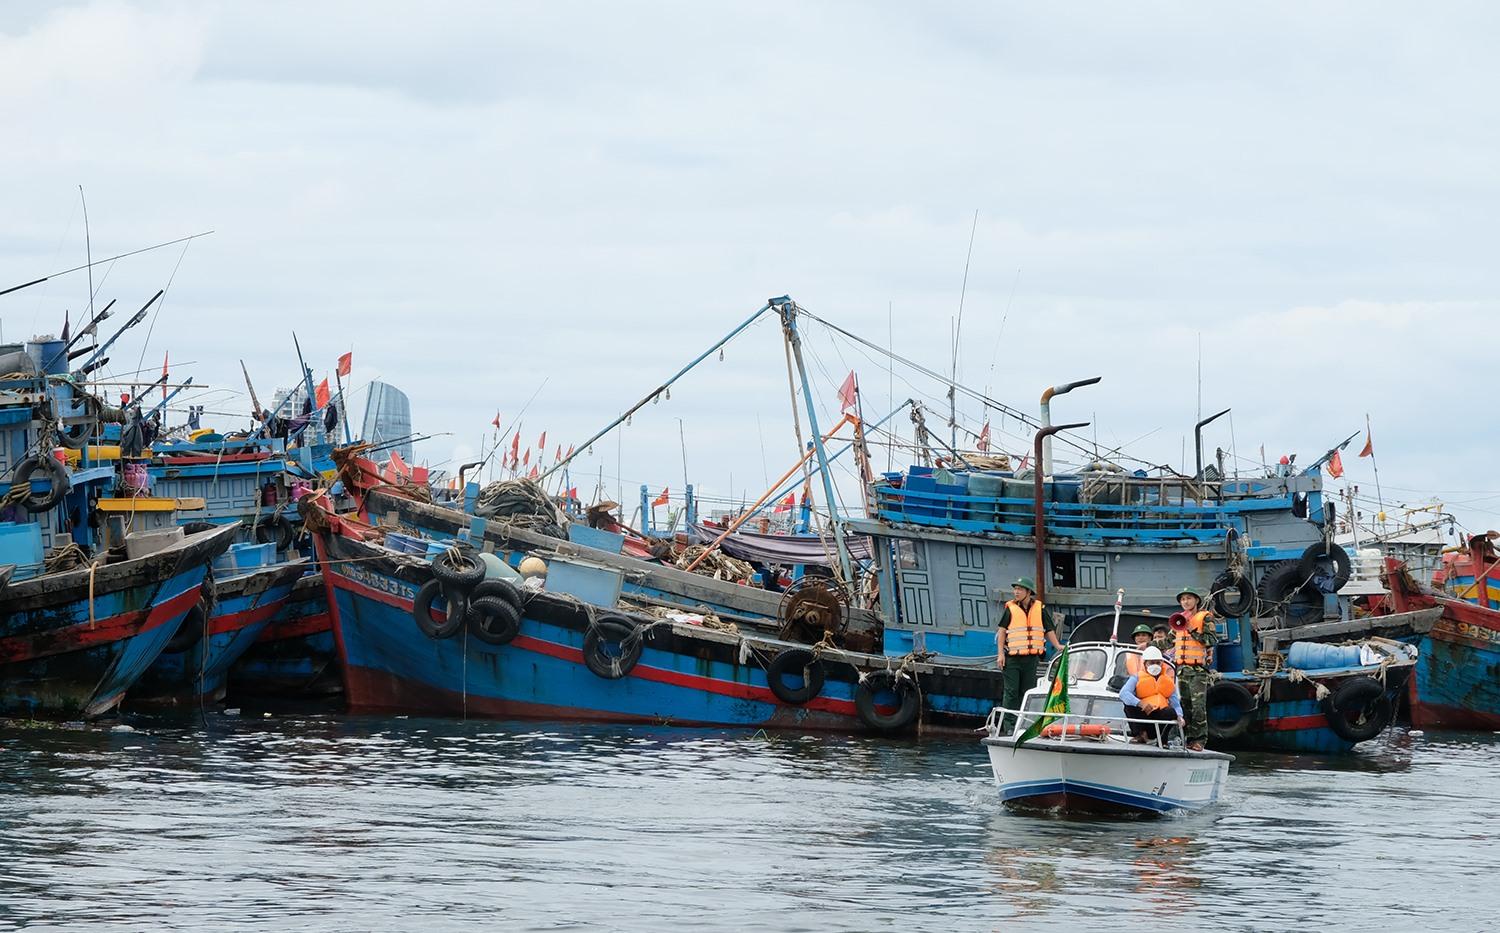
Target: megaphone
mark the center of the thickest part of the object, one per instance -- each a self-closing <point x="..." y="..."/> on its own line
<point x="1178" y="622"/>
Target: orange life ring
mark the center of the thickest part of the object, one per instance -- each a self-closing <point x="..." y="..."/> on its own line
<point x="1094" y="729"/>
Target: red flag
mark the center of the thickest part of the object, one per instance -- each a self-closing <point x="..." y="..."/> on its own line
<point x="790" y="501"/>
<point x="532" y="474"/>
<point x="321" y="398"/>
<point x="1335" y="465"/>
<point x="660" y="500"/>
<point x="848" y="394"/>
<point x="573" y="493"/>
<point x="984" y="438"/>
<point x="541" y="444"/>
<point x="559" y="454"/>
<point x="526" y="459"/>
<point x="346" y="363"/>
<point x="1024" y="458"/>
<point x="1369" y="449"/>
<point x="515" y="446"/>
<point x="496" y="422"/>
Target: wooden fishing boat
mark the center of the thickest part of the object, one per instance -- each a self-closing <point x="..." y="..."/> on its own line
<point x="72" y="643"/>
<point x="295" y="657"/>
<point x="1456" y="684"/>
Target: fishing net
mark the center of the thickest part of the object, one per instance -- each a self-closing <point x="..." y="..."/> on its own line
<point x="523" y="503"/>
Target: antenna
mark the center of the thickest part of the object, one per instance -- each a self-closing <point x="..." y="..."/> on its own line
<point x="957" y="329"/>
<point x="88" y="250"/>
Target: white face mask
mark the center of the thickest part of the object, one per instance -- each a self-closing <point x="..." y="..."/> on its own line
<point x="1153" y="669"/>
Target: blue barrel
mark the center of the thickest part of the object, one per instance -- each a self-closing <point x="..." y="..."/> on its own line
<point x="50" y="356"/>
<point x="1312" y="656"/>
<point x="989" y="486"/>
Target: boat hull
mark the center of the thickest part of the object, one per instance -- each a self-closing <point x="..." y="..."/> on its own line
<point x="242" y="607"/>
<point x="1291" y="718"/>
<point x="687" y="675"/>
<point x="295" y="657"/>
<point x="60" y="660"/>
<point x="1080" y="776"/>
<point x="1457" y="680"/>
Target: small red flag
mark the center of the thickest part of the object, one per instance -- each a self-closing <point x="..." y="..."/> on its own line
<point x="848" y="394"/>
<point x="541" y="443"/>
<point x="515" y="446"/>
<point x="1369" y="449"/>
<point x="573" y="493"/>
<point x="346" y="363"/>
<point x="1335" y="465"/>
<point x="786" y="505"/>
<point x="559" y="454"/>
<point x="984" y="438"/>
<point x="660" y="500"/>
<point x="532" y="474"/>
<point x="526" y="459"/>
<point x="321" y="398"/>
<point x="496" y="422"/>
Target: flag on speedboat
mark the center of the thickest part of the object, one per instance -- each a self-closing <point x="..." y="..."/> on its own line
<point x="1057" y="703"/>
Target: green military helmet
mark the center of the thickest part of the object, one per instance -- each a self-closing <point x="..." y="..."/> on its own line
<point x="1189" y="591"/>
<point x="1026" y="583"/>
<point x="1142" y="629"/>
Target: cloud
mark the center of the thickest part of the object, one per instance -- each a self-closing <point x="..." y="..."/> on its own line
<point x="480" y="199"/>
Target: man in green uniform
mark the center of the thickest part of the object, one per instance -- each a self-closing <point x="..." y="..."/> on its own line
<point x="1025" y="627"/>
<point x="1193" y="657"/>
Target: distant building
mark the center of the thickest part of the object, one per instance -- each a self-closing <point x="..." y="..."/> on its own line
<point x="387" y="418"/>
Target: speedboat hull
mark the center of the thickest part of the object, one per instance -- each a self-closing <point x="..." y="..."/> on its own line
<point x="1105" y="778"/>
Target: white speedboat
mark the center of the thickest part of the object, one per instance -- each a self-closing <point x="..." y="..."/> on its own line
<point x="1084" y="761"/>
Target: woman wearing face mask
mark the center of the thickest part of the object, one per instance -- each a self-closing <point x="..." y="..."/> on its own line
<point x="1151" y="694"/>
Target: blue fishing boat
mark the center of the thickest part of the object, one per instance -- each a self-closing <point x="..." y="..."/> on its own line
<point x="295" y="656"/>
<point x="92" y="595"/>
<point x="489" y="648"/>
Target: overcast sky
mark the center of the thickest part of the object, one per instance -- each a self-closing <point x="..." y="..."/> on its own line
<point x="476" y="198"/>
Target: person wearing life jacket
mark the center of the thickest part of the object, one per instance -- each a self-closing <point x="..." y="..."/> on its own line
<point x="1025" y="629"/>
<point x="1151" y="694"/>
<point x="1192" y="653"/>
<point x="1142" y="636"/>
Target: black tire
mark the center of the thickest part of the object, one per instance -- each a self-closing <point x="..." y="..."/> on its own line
<point x="1359" y="709"/>
<point x="877" y="682"/>
<point x="75" y="436"/>
<point x="456" y="610"/>
<point x="1236" y="697"/>
<point x="1315" y="561"/>
<point x="499" y="589"/>
<point x="55" y="471"/>
<point x="458" y="571"/>
<point x="1233" y="595"/>
<point x="1285" y="590"/>
<point x="611" y="648"/>
<point x="494" y="620"/>
<point x="190" y="631"/>
<point x="275" y="530"/>
<point x="797" y="662"/>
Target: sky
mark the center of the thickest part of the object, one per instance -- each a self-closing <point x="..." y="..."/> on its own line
<point x="489" y="201"/>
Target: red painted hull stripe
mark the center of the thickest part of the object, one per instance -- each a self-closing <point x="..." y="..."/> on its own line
<point x="82" y="635"/>
<point x="737" y="691"/>
<point x="314" y="624"/>
<point x="1292" y="723"/>
<point x="235" y="621"/>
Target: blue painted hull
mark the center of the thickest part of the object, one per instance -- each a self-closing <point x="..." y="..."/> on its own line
<point x="1293" y="720"/>
<point x="1086" y="797"/>
<point x="242" y="608"/>
<point x="295" y="656"/>
<point x="698" y="679"/>
<point x="70" y="646"/>
<point x="1457" y="680"/>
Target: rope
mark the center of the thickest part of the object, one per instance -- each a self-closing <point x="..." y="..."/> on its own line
<point x="65" y="557"/>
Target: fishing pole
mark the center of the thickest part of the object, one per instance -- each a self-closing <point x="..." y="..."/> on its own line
<point x="91" y="264"/>
<point x="94" y="361"/>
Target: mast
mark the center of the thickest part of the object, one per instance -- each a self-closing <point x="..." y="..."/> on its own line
<point x="787" y="308"/>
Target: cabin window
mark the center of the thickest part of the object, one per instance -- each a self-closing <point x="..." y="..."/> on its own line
<point x="1085" y="665"/>
<point x="909" y="554"/>
<point x="1064" y="569"/>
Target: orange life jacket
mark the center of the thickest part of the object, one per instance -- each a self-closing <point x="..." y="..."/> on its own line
<point x="1191" y="651"/>
<point x="1024" y="634"/>
<point x="1155" y="693"/>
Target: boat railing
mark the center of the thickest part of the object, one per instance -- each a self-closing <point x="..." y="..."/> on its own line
<point x="1024" y="718"/>
<point x="1086" y="520"/>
